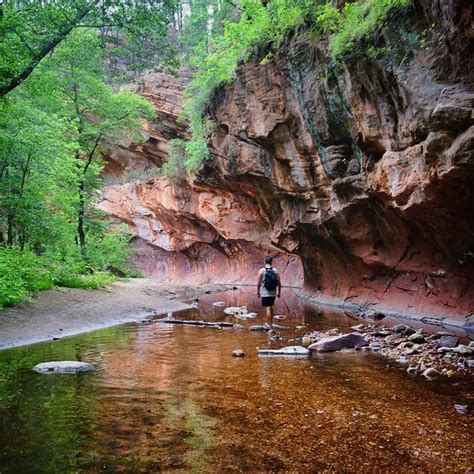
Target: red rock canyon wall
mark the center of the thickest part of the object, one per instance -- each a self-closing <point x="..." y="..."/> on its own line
<point x="359" y="176"/>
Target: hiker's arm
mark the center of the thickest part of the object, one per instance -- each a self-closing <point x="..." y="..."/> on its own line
<point x="259" y="283"/>
<point x="279" y="285"/>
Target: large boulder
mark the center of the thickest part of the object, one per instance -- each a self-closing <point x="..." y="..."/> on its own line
<point x="336" y="343"/>
<point x="63" y="367"/>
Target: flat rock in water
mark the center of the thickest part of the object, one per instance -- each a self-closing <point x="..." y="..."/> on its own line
<point x="336" y="343"/>
<point x="285" y="351"/>
<point x="63" y="367"/>
<point x="462" y="349"/>
<point x="260" y="327"/>
<point x="236" y="310"/>
<point x="246" y="316"/>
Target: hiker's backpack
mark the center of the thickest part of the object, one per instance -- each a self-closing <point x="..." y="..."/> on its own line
<point x="270" y="280"/>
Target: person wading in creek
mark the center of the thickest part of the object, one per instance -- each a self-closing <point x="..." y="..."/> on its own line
<point x="268" y="286"/>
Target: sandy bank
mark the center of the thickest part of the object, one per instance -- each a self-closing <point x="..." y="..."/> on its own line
<point x="64" y="311"/>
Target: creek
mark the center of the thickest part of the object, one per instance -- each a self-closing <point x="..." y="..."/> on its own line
<point x="171" y="397"/>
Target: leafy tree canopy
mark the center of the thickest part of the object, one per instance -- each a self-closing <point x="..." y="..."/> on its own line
<point x="31" y="29"/>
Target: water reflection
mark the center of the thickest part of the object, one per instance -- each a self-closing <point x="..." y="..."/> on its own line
<point x="170" y="397"/>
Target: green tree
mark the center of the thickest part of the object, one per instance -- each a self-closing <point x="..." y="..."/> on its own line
<point x="98" y="116"/>
<point x="37" y="174"/>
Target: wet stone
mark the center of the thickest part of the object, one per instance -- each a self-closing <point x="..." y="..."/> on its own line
<point x="448" y="341"/>
<point x="461" y="409"/>
<point x="399" y="328"/>
<point x="335" y="343"/>
<point x="285" y="351"/>
<point x="238" y="353"/>
<point x="431" y="373"/>
<point x="462" y="349"/>
<point x="63" y="367"/>
<point x="417" y="338"/>
<point x="260" y="327"/>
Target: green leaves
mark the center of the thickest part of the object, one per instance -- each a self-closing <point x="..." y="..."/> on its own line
<point x="30" y="30"/>
<point x="215" y="58"/>
<point x="53" y="131"/>
<point x="356" y="22"/>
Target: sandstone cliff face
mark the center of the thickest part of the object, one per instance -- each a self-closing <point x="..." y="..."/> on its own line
<point x="362" y="172"/>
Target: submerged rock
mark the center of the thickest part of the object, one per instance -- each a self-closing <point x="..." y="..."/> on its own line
<point x="238" y="353"/>
<point x="63" y="367"/>
<point x="336" y="343"/>
<point x="285" y="351"/>
<point x="373" y="315"/>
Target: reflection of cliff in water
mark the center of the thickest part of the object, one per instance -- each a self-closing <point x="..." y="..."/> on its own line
<point x="169" y="397"/>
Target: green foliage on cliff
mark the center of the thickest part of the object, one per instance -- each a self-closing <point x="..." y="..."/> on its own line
<point x="355" y="22"/>
<point x="265" y="27"/>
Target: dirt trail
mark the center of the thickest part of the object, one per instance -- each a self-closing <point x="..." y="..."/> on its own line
<point x="64" y="311"/>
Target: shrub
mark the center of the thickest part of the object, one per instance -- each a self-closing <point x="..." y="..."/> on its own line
<point x="21" y="272"/>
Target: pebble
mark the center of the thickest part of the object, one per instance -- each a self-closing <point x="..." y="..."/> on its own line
<point x="461" y="409"/>
<point x="238" y="353"/>
<point x="443" y="350"/>
<point x="417" y="337"/>
<point x="399" y="328"/>
<point x="431" y="373"/>
<point x="358" y="328"/>
<point x="218" y="303"/>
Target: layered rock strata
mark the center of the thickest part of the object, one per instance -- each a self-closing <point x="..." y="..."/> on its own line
<point x="363" y="172"/>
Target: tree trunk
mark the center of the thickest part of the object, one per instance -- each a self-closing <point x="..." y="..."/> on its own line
<point x="81" y="233"/>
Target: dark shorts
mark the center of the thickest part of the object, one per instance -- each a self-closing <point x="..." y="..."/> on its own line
<point x="268" y="300"/>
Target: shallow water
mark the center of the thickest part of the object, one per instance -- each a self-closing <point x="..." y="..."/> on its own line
<point x="170" y="397"/>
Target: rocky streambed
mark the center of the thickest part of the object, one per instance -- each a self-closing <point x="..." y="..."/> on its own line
<point x="433" y="355"/>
